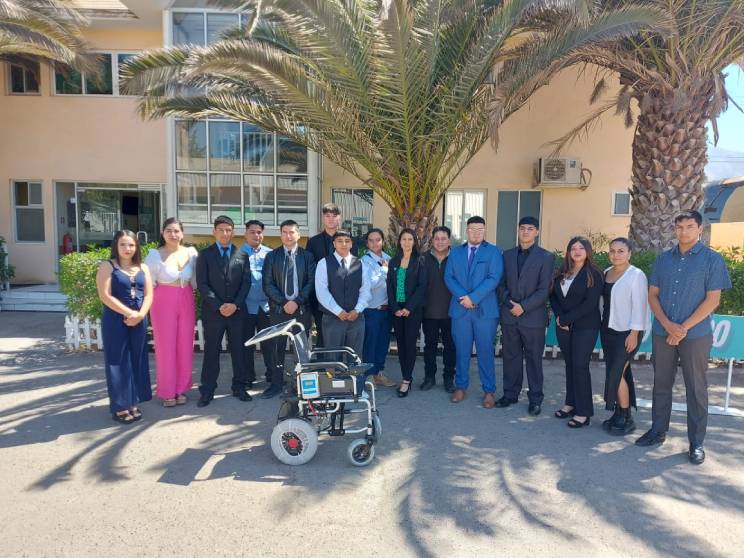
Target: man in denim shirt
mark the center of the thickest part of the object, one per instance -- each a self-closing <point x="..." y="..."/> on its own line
<point x="257" y="304"/>
<point x="684" y="290"/>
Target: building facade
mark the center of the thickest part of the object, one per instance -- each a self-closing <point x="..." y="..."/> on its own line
<point x="77" y="162"/>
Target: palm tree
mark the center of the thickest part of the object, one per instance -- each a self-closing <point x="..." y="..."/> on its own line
<point x="43" y="31"/>
<point x="396" y="93"/>
<point x="677" y="83"/>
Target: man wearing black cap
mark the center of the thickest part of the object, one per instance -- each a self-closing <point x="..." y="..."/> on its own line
<point x="523" y="296"/>
<point x="321" y="246"/>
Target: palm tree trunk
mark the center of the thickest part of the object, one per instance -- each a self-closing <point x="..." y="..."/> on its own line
<point x="669" y="157"/>
<point x="421" y="219"/>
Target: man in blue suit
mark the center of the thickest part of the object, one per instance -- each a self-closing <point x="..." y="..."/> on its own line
<point x="472" y="275"/>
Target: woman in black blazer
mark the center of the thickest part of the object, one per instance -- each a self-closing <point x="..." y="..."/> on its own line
<point x="406" y="286"/>
<point x="574" y="298"/>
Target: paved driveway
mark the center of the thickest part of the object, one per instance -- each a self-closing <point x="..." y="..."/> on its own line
<point x="448" y="480"/>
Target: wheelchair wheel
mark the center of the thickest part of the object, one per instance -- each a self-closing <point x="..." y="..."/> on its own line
<point x="294" y="441"/>
<point x="361" y="453"/>
<point x="377" y="428"/>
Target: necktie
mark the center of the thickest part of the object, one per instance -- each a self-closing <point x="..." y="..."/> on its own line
<point x="289" y="280"/>
<point x="225" y="261"/>
<point x="343" y="266"/>
<point x="471" y="256"/>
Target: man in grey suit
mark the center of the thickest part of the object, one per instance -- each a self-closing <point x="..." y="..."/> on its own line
<point x="523" y="295"/>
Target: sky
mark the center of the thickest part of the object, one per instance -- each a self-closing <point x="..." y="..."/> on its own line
<point x="731" y="122"/>
<point x="727" y="158"/>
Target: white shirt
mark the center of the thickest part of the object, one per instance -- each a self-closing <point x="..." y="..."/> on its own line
<point x="162" y="273"/>
<point x="565" y="285"/>
<point x="324" y="295"/>
<point x="629" y="302"/>
<point x="377" y="277"/>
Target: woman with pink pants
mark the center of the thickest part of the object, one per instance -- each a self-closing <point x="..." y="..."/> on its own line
<point x="172" y="266"/>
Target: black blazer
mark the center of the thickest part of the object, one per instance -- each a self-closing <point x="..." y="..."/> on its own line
<point x="321" y="245"/>
<point x="217" y="287"/>
<point x="531" y="288"/>
<point x="580" y="307"/>
<point x="273" y="277"/>
<point x="416" y="281"/>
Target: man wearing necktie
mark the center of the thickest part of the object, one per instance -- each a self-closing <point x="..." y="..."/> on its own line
<point x="288" y="280"/>
<point x="223" y="276"/>
<point x="472" y="275"/>
<point x="343" y="291"/>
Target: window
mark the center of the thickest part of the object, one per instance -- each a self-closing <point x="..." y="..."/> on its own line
<point x="234" y="168"/>
<point x="621" y="203"/>
<point x="24" y="79"/>
<point x="29" y="211"/>
<point x="459" y="206"/>
<point x="68" y="81"/>
<point x="203" y="28"/>
<point x="356" y="206"/>
<point x="513" y="205"/>
<point x="121" y="59"/>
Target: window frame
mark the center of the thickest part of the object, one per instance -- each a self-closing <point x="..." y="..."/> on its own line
<point x="313" y="173"/>
<point x="613" y="204"/>
<point x="115" y="85"/>
<point x="15" y="206"/>
<point x="455" y="234"/>
<point x="205" y="12"/>
<point x="519" y="192"/>
<point x="9" y="81"/>
<point x="275" y="174"/>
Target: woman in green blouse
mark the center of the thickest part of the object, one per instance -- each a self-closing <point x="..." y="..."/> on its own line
<point x="406" y="284"/>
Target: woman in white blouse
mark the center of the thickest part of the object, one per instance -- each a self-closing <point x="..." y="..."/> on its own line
<point x="172" y="266"/>
<point x="624" y="319"/>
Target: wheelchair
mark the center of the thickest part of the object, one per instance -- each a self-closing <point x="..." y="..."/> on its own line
<point x="322" y="396"/>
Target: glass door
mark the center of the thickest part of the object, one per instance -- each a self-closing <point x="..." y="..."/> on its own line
<point x="99" y="216"/>
<point x="148" y="216"/>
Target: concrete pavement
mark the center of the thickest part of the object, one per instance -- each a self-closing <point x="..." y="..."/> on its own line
<point x="448" y="480"/>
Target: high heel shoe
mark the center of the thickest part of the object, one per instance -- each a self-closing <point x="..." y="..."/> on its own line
<point x="561" y="414"/>
<point x="405" y="393"/>
<point x="573" y="423"/>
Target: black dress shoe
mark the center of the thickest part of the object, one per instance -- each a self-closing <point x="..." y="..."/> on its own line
<point x="696" y="455"/>
<point x="249" y="384"/>
<point x="427" y="384"/>
<point x="534" y="409"/>
<point x="651" y="438"/>
<point x="271" y="391"/>
<point x="505" y="402"/>
<point x="204" y="400"/>
<point x="449" y="385"/>
<point x="242" y="395"/>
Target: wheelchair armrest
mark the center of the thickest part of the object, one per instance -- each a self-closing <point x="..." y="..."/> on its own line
<point x="326" y="350"/>
<point x="318" y="365"/>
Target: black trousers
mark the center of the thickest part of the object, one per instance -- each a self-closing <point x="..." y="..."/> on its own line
<point x="434" y="329"/>
<point x="518" y="344"/>
<point x="318" y="319"/>
<point x="253" y="323"/>
<point x="214" y="330"/>
<point x="303" y="316"/>
<point x="692" y="356"/>
<point x="577" y="346"/>
<point x="406" y="335"/>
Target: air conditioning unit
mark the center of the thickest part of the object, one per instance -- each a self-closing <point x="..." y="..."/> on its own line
<point x="558" y="171"/>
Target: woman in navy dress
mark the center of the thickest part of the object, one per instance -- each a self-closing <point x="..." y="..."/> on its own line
<point x="125" y="288"/>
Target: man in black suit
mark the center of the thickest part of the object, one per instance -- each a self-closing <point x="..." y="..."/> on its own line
<point x="523" y="295"/>
<point x="321" y="246"/>
<point x="288" y="281"/>
<point x="223" y="276"/>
